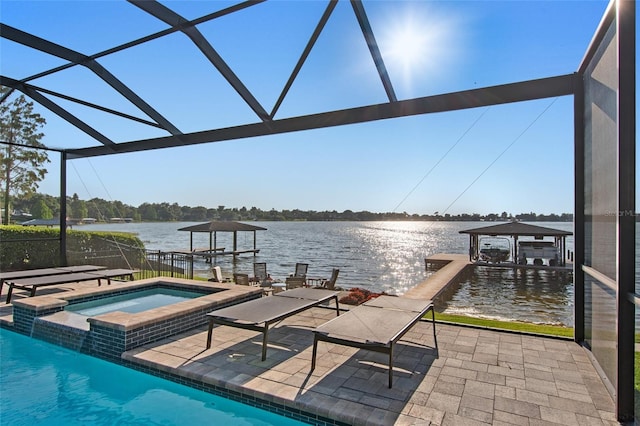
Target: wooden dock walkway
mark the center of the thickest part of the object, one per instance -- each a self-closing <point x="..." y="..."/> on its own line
<point x="430" y="288"/>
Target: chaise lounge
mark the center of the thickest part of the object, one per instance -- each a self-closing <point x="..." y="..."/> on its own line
<point x="259" y="314"/>
<point x="32" y="273"/>
<point x="32" y="284"/>
<point x="375" y="325"/>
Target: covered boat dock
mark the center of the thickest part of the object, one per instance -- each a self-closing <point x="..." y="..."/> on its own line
<point x="213" y="227"/>
<point x="537" y="249"/>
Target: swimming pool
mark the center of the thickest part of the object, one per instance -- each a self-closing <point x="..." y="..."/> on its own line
<point x="109" y="333"/>
<point x="138" y="301"/>
<point x="44" y="384"/>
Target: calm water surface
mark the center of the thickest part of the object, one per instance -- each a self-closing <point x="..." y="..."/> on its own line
<point x="531" y="295"/>
<point x="379" y="256"/>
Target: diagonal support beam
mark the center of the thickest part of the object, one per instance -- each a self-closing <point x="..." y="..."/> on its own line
<point x="358" y="8"/>
<point x="494" y="95"/>
<point x="56" y="109"/>
<point x="46" y="46"/>
<point x="312" y="41"/>
<point x="91" y="105"/>
<point x="150" y="37"/>
<point x="169" y="17"/>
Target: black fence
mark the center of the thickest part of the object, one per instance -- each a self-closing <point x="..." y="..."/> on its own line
<point x="150" y="263"/>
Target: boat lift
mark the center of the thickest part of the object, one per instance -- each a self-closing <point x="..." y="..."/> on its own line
<point x="538" y="250"/>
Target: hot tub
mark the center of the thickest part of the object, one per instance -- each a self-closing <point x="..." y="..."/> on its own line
<point x="134" y="302"/>
<point x="73" y="319"/>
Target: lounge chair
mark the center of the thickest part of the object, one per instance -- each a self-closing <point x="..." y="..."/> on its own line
<point x="32" y="284"/>
<point x="375" y="325"/>
<point x="331" y="282"/>
<point x="259" y="314"/>
<point x="42" y="272"/>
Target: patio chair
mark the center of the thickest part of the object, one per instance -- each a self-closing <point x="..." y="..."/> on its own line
<point x="331" y="282"/>
<point x="217" y="275"/>
<point x="241" y="279"/>
<point x="260" y="272"/>
<point x="301" y="270"/>
<point x="294" y="282"/>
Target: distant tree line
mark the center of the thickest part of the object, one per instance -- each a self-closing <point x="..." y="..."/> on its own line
<point x="42" y="206"/>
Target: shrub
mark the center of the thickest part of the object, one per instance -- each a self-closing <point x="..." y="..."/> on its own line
<point x="31" y="247"/>
<point x="358" y="296"/>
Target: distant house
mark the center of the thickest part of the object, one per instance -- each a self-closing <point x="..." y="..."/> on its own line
<point x="121" y="220"/>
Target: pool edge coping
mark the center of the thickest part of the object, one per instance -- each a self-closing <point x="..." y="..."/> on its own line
<point x="129" y="321"/>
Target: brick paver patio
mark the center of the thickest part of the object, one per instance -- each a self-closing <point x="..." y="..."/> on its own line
<point x="475" y="377"/>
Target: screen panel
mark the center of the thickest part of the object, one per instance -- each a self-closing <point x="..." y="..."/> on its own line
<point x="601" y="202"/>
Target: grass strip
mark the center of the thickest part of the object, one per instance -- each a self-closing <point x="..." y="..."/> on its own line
<point x="522" y="327"/>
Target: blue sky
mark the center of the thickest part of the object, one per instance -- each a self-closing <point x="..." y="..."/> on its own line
<point x="514" y="158"/>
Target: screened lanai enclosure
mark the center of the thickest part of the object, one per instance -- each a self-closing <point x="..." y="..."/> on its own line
<point x="48" y="66"/>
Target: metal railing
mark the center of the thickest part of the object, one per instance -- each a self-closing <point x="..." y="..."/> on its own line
<point x="150" y="263"/>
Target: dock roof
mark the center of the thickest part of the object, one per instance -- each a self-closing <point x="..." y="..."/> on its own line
<point x="215" y="226"/>
<point x="222" y="226"/>
<point x="517" y="228"/>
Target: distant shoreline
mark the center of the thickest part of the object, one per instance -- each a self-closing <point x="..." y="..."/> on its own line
<point x="95" y="222"/>
<point x="105" y="211"/>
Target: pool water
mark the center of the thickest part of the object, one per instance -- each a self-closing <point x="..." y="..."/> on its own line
<point x="43" y="384"/>
<point x="135" y="302"/>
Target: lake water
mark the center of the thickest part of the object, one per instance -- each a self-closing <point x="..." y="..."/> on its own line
<point x="379" y="256"/>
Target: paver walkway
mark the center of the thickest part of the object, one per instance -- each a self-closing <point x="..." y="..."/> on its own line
<point x="476" y="377"/>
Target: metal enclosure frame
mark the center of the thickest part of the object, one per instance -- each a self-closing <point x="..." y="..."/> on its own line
<point x="619" y="19"/>
<point x="621" y="11"/>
